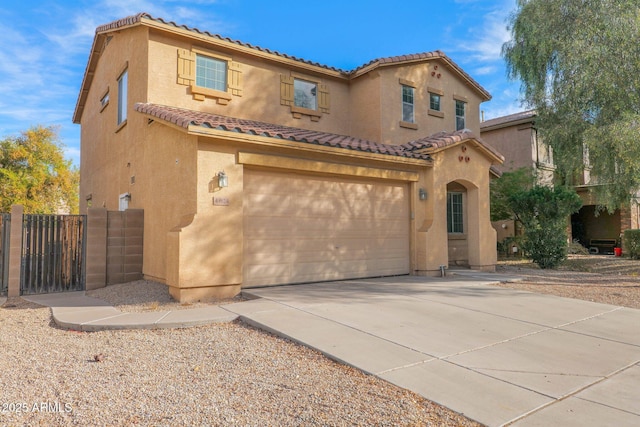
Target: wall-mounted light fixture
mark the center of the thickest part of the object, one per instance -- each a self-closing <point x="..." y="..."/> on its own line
<point x="223" y="179"/>
<point x="422" y="194"/>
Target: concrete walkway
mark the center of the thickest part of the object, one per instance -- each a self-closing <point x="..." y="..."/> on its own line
<point x="499" y="356"/>
<point x="75" y="310"/>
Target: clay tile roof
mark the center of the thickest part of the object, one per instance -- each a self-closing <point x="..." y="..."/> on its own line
<point x="184" y="118"/>
<point x="443" y="140"/>
<point x="511" y="118"/>
<point x="136" y="19"/>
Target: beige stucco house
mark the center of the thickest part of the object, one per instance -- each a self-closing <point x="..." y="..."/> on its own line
<point x="256" y="168"/>
<point x="516" y="137"/>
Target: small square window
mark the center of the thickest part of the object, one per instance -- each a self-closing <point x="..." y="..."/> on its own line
<point x="211" y="73"/>
<point x="305" y="94"/>
<point x="434" y="101"/>
<point x="407" y="104"/>
<point x="460" y="116"/>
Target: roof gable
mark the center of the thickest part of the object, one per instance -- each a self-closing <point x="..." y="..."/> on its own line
<point x="444" y="140"/>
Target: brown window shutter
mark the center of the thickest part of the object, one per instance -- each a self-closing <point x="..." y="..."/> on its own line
<point x="186" y="67"/>
<point x="234" y="78"/>
<point x="286" y="90"/>
<point x="323" y="98"/>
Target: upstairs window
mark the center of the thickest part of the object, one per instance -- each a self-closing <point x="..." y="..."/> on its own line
<point x="122" y="96"/>
<point x="454" y="213"/>
<point x="305" y="94"/>
<point x="434" y="101"/>
<point x="211" y="73"/>
<point x="460" y="116"/>
<point x="407" y="104"/>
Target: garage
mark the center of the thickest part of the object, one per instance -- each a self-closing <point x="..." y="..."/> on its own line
<point x="302" y="228"/>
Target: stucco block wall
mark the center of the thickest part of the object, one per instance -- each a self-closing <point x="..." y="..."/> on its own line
<point x="125" y="232"/>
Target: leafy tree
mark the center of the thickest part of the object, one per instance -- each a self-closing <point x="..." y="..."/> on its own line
<point x="501" y="188"/>
<point x="578" y="62"/>
<point x="35" y="174"/>
<point x="543" y="212"/>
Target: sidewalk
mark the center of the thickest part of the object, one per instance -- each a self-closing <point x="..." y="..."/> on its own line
<point x="75" y="310"/>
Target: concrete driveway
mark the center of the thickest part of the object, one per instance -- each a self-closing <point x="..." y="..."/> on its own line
<point x="497" y="355"/>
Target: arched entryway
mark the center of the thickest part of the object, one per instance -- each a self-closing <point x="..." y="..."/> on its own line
<point x="462" y="224"/>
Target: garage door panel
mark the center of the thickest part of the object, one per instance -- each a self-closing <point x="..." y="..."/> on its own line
<point x="301" y="228"/>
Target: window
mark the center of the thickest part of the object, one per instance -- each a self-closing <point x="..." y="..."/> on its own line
<point x="407" y="104"/>
<point x="211" y="73"/>
<point x="454" y="213"/>
<point x="122" y="97"/>
<point x="305" y="94"/>
<point x="104" y="101"/>
<point x="434" y="101"/>
<point x="460" y="122"/>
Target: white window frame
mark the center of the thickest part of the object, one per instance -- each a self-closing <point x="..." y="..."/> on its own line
<point x="214" y="78"/>
<point x="301" y="98"/>
<point x="123" y="83"/>
<point x="438" y="97"/>
<point x="408" y="104"/>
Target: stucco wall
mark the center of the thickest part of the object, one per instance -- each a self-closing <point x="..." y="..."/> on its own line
<point x="260" y="98"/>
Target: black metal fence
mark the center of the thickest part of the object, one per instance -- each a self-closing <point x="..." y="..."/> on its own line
<point x="53" y="253"/>
<point x="5" y="235"/>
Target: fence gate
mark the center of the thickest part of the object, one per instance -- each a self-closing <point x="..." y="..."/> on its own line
<point x="5" y="236"/>
<point x="53" y="253"/>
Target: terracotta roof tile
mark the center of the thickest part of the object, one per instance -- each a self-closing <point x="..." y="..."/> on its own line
<point x="131" y="20"/>
<point x="184" y="118"/>
<point x="442" y="140"/>
<point x="523" y="115"/>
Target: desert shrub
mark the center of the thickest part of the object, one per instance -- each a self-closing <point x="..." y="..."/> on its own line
<point x="543" y="212"/>
<point x="632" y="243"/>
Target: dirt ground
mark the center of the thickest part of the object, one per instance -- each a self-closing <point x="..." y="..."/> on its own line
<point x="599" y="278"/>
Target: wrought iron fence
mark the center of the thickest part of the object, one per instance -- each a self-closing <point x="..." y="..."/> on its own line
<point x="53" y="253"/>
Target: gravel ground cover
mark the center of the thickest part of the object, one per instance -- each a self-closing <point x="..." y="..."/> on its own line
<point x="598" y="278"/>
<point x="216" y="375"/>
<point x="228" y="374"/>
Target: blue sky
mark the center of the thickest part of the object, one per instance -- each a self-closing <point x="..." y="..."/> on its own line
<point x="44" y="44"/>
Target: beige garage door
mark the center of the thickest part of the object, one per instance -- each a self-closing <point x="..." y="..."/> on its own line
<point x="300" y="228"/>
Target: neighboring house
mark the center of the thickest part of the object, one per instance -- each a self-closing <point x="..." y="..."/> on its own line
<point x="256" y="168"/>
<point x="516" y="137"/>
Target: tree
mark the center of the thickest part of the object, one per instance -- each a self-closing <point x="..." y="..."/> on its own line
<point x="508" y="184"/>
<point x="543" y="212"/>
<point x="578" y="62"/>
<point x="35" y="174"/>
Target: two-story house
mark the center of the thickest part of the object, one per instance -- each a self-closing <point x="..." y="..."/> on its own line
<point x="516" y="137"/>
<point x="254" y="167"/>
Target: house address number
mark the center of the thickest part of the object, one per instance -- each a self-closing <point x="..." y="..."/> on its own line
<point x="220" y="201"/>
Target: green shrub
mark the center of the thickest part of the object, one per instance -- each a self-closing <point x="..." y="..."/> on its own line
<point x="543" y="212"/>
<point x="632" y="243"/>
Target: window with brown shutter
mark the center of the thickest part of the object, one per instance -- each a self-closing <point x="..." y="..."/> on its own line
<point x="221" y="87"/>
